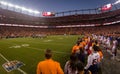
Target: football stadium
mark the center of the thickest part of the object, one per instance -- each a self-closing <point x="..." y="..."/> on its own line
<point x="25" y="34"/>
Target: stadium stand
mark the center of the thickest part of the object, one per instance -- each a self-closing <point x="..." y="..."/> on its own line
<point x="18" y="24"/>
<point x="15" y="24"/>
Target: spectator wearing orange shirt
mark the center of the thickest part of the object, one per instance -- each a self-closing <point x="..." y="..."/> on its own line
<point x="76" y="48"/>
<point x="49" y="66"/>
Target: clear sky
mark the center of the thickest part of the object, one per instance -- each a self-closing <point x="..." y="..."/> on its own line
<point x="60" y="5"/>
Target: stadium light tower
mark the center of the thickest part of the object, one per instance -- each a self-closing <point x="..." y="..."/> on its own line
<point x="36" y="12"/>
<point x="116" y="2"/>
<point x="17" y="7"/>
<point x="11" y="5"/>
<point x="30" y="10"/>
<point x="4" y="3"/>
<point x="22" y="9"/>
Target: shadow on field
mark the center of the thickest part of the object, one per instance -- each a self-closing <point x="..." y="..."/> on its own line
<point x="110" y="66"/>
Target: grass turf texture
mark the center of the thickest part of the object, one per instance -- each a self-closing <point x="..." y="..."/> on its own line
<point x="14" y="49"/>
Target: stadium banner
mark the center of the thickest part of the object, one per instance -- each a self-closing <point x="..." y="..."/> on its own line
<point x="48" y="13"/>
<point x="106" y="7"/>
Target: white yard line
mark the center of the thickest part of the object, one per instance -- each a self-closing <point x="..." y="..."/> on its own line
<point x="44" y="49"/>
<point x="8" y="61"/>
<point x="37" y="48"/>
<point x="23" y="72"/>
<point x="4" y="57"/>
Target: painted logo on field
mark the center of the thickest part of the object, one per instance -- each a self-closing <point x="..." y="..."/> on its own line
<point x="12" y="65"/>
<point x="19" y="46"/>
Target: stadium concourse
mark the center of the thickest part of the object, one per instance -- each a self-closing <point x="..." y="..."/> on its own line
<point x="102" y="25"/>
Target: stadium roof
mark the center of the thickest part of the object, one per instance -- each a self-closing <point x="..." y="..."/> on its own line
<point x="36" y="7"/>
<point x="60" y="5"/>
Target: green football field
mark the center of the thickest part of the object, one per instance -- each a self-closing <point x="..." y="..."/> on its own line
<point x="31" y="50"/>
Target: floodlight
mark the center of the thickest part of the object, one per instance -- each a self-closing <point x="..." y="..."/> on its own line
<point x="29" y="10"/>
<point x="16" y="6"/>
<point x="11" y="5"/>
<point x="118" y="1"/>
<point x="4" y="3"/>
<point x="36" y="12"/>
<point x="24" y="9"/>
<point x="19" y="7"/>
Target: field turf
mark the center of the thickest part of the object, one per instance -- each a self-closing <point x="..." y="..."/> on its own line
<point x="31" y="50"/>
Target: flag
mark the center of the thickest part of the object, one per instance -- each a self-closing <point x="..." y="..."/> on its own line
<point x="106" y="7"/>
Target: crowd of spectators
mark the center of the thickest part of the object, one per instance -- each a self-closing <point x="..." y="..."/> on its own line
<point x="90" y="48"/>
<point x="11" y="31"/>
<point x="86" y="56"/>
